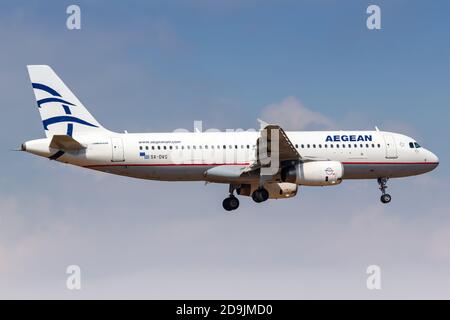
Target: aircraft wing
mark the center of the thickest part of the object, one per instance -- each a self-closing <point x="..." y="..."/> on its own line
<point x="265" y="154"/>
<point x="286" y="148"/>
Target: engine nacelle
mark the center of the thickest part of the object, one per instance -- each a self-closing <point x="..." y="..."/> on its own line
<point x="314" y="173"/>
<point x="277" y="190"/>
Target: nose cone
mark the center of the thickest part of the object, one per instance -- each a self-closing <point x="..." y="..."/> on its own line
<point x="433" y="159"/>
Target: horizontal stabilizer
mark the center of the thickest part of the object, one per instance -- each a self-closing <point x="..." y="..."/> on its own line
<point x="65" y="143"/>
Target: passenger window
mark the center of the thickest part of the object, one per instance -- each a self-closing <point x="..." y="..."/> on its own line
<point x="337" y="145"/>
<point x="314" y="145"/>
<point x="349" y="145"/>
<point x="356" y="146"/>
<point x="343" y="145"/>
<point x="331" y="145"/>
<point x="326" y="146"/>
<point x="379" y="145"/>
<point x="367" y="145"/>
<point x="373" y="145"/>
<point x="165" y="148"/>
<point x="320" y="146"/>
<point x="248" y="147"/>
<point x="296" y="146"/>
<point x="140" y="147"/>
<point x="170" y="147"/>
<point x="303" y="146"/>
<point x="307" y="145"/>
<point x="153" y="147"/>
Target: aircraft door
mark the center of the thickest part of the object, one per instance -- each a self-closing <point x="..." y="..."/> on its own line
<point x="391" y="148"/>
<point x="117" y="150"/>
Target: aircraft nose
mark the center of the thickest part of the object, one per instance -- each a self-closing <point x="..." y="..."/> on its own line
<point x="436" y="159"/>
<point x="432" y="158"/>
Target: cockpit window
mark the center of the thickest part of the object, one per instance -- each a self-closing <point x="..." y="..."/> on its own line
<point x="416" y="145"/>
<point x="411" y="145"/>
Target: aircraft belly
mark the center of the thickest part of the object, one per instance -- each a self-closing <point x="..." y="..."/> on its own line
<point x="391" y="170"/>
<point x="164" y="173"/>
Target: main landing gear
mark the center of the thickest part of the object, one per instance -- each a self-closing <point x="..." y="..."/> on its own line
<point x="260" y="195"/>
<point x="385" y="198"/>
<point x="231" y="203"/>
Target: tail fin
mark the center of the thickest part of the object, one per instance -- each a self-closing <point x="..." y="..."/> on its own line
<point x="61" y="112"/>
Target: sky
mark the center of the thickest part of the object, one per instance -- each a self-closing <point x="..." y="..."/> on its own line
<point x="146" y="66"/>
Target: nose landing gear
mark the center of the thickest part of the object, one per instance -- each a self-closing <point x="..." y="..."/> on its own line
<point x="385" y="198"/>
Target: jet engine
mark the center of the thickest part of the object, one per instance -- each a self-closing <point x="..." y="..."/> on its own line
<point x="314" y="173"/>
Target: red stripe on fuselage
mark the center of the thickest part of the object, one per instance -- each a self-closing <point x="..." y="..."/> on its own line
<point x="166" y="165"/>
<point x="234" y="164"/>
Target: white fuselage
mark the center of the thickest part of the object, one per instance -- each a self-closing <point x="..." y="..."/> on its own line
<point x="268" y="164"/>
<point x="187" y="156"/>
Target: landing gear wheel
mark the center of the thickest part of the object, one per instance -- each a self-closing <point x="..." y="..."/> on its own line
<point x="386" y="198"/>
<point x="260" y="195"/>
<point x="230" y="203"/>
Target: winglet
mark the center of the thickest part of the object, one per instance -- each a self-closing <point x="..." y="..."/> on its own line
<point x="262" y="124"/>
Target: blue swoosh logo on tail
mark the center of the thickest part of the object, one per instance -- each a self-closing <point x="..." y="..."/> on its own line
<point x="59" y="119"/>
<point x="48" y="100"/>
<point x="45" y="88"/>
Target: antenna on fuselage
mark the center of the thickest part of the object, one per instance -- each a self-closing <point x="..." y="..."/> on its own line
<point x="376" y="128"/>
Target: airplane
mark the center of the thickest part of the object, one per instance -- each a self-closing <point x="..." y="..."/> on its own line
<point x="267" y="164"/>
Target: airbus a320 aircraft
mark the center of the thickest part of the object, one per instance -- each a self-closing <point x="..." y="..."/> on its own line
<point x="269" y="164"/>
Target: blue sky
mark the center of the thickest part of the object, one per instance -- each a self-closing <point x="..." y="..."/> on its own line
<point x="160" y="65"/>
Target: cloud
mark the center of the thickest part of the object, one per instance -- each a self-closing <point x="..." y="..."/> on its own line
<point x="291" y="114"/>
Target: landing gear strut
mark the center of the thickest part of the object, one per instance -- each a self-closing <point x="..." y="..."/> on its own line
<point x="260" y="195"/>
<point x="385" y="198"/>
<point x="231" y="203"/>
